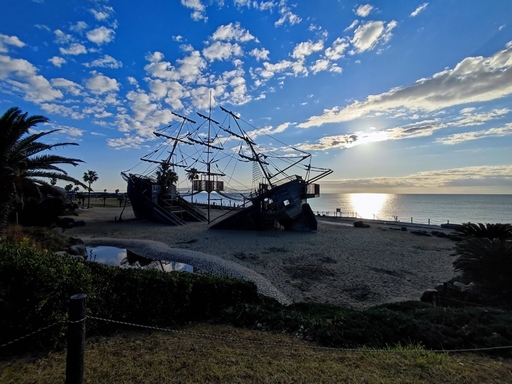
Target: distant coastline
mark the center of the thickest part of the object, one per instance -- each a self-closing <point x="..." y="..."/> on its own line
<point x="439" y="208"/>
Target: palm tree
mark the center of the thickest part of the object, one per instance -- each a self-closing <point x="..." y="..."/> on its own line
<point x="192" y="174"/>
<point x="90" y="177"/>
<point x="23" y="168"/>
<point x="165" y="177"/>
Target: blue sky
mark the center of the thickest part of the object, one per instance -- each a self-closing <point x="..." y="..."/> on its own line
<point x="394" y="96"/>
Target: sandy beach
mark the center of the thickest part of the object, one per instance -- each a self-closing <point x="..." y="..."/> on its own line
<point x="340" y="264"/>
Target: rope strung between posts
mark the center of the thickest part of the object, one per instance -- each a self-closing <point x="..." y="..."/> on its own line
<point x="237" y="339"/>
<point x="32" y="333"/>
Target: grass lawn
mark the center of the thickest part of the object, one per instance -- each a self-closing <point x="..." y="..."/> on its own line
<point x="155" y="357"/>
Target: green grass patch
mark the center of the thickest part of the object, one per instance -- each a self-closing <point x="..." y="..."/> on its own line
<point x="145" y="357"/>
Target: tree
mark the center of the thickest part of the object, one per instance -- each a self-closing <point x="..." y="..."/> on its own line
<point x="23" y="167"/>
<point x="484" y="256"/>
<point x="192" y="174"/>
<point x="90" y="177"/>
<point x="166" y="177"/>
<point x="68" y="187"/>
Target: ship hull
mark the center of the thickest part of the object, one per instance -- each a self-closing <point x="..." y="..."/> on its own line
<point x="284" y="205"/>
<point x="147" y="203"/>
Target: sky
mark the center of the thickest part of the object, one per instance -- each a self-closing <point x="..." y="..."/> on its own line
<point x="396" y="96"/>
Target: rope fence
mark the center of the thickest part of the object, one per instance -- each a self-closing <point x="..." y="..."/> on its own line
<point x="236" y="339"/>
<point x="394" y="218"/>
<point x="77" y="329"/>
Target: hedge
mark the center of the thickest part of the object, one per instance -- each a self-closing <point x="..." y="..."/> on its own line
<point x="35" y="287"/>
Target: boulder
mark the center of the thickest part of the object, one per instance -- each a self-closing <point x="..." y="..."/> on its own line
<point x="78" y="250"/>
<point x="429" y="295"/>
<point x="360" y="224"/>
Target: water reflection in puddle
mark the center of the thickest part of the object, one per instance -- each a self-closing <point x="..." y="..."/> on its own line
<point x="125" y="258"/>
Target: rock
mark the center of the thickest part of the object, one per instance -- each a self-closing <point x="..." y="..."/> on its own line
<point x="429" y="295"/>
<point x="78" y="250"/>
<point x="454" y="237"/>
<point x="75" y="240"/>
<point x="403" y="228"/>
<point x="79" y="223"/>
<point x="360" y="224"/>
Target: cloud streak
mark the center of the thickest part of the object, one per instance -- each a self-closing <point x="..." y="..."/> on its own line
<point x="474" y="79"/>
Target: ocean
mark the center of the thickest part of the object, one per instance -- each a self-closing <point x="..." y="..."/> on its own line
<point x="425" y="209"/>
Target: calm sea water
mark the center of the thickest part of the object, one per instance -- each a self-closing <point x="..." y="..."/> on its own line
<point x="381" y="206"/>
<point x="438" y="208"/>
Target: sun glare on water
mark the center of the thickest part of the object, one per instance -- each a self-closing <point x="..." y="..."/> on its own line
<point x="368" y="205"/>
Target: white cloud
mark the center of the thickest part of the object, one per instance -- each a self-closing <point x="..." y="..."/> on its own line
<point x="222" y="51"/>
<point x="126" y="142"/>
<point x="70" y="86"/>
<point x="62" y="38"/>
<point x="476" y="135"/>
<point x="74" y="49"/>
<point x="172" y="91"/>
<point x="9" y="40"/>
<point x="140" y="104"/>
<point x="190" y="67"/>
<point x="351" y="26"/>
<point x="268" y="130"/>
<point x="490" y="175"/>
<point x="233" y="32"/>
<point x="260" y="54"/>
<point x="197" y="7"/>
<point x="106" y="62"/>
<point x="62" y="110"/>
<point x="320" y="65"/>
<point x="101" y="35"/>
<point x="100" y="15"/>
<point x="306" y="48"/>
<point x="474" y="79"/>
<point x="419" y="9"/>
<point x="336" y="50"/>
<point x="367" y="35"/>
<point x="57" y="61"/>
<point x="363" y="10"/>
<point x="23" y="77"/>
<point x="100" y="84"/>
<point x="79" y="26"/>
<point x="238" y="95"/>
<point x="287" y="15"/>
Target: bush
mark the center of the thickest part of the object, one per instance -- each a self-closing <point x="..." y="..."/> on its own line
<point x="35" y="287"/>
<point x="487" y="231"/>
<point x="383" y="326"/>
<point x="484" y="256"/>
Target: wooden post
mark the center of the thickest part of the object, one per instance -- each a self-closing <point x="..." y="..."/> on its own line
<point x="76" y="340"/>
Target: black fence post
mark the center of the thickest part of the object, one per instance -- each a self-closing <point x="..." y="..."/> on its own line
<point x="76" y="340"/>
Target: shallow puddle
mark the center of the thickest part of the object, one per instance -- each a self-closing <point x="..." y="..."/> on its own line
<point x="125" y="258"/>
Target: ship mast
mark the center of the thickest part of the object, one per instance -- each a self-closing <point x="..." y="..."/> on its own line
<point x="208" y="152"/>
<point x="250" y="143"/>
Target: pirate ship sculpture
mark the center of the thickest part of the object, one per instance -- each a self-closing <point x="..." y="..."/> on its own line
<point x="208" y="153"/>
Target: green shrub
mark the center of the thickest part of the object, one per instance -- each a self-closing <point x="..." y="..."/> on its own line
<point x="488" y="231"/>
<point x="35" y="287"/>
<point x="404" y="323"/>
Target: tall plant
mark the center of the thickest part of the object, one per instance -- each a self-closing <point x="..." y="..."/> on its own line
<point x="192" y="174"/>
<point x="90" y="177"/>
<point x="23" y="165"/>
<point x="484" y="256"/>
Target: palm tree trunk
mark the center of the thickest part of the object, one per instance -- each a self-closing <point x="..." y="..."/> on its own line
<point x="5" y="209"/>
